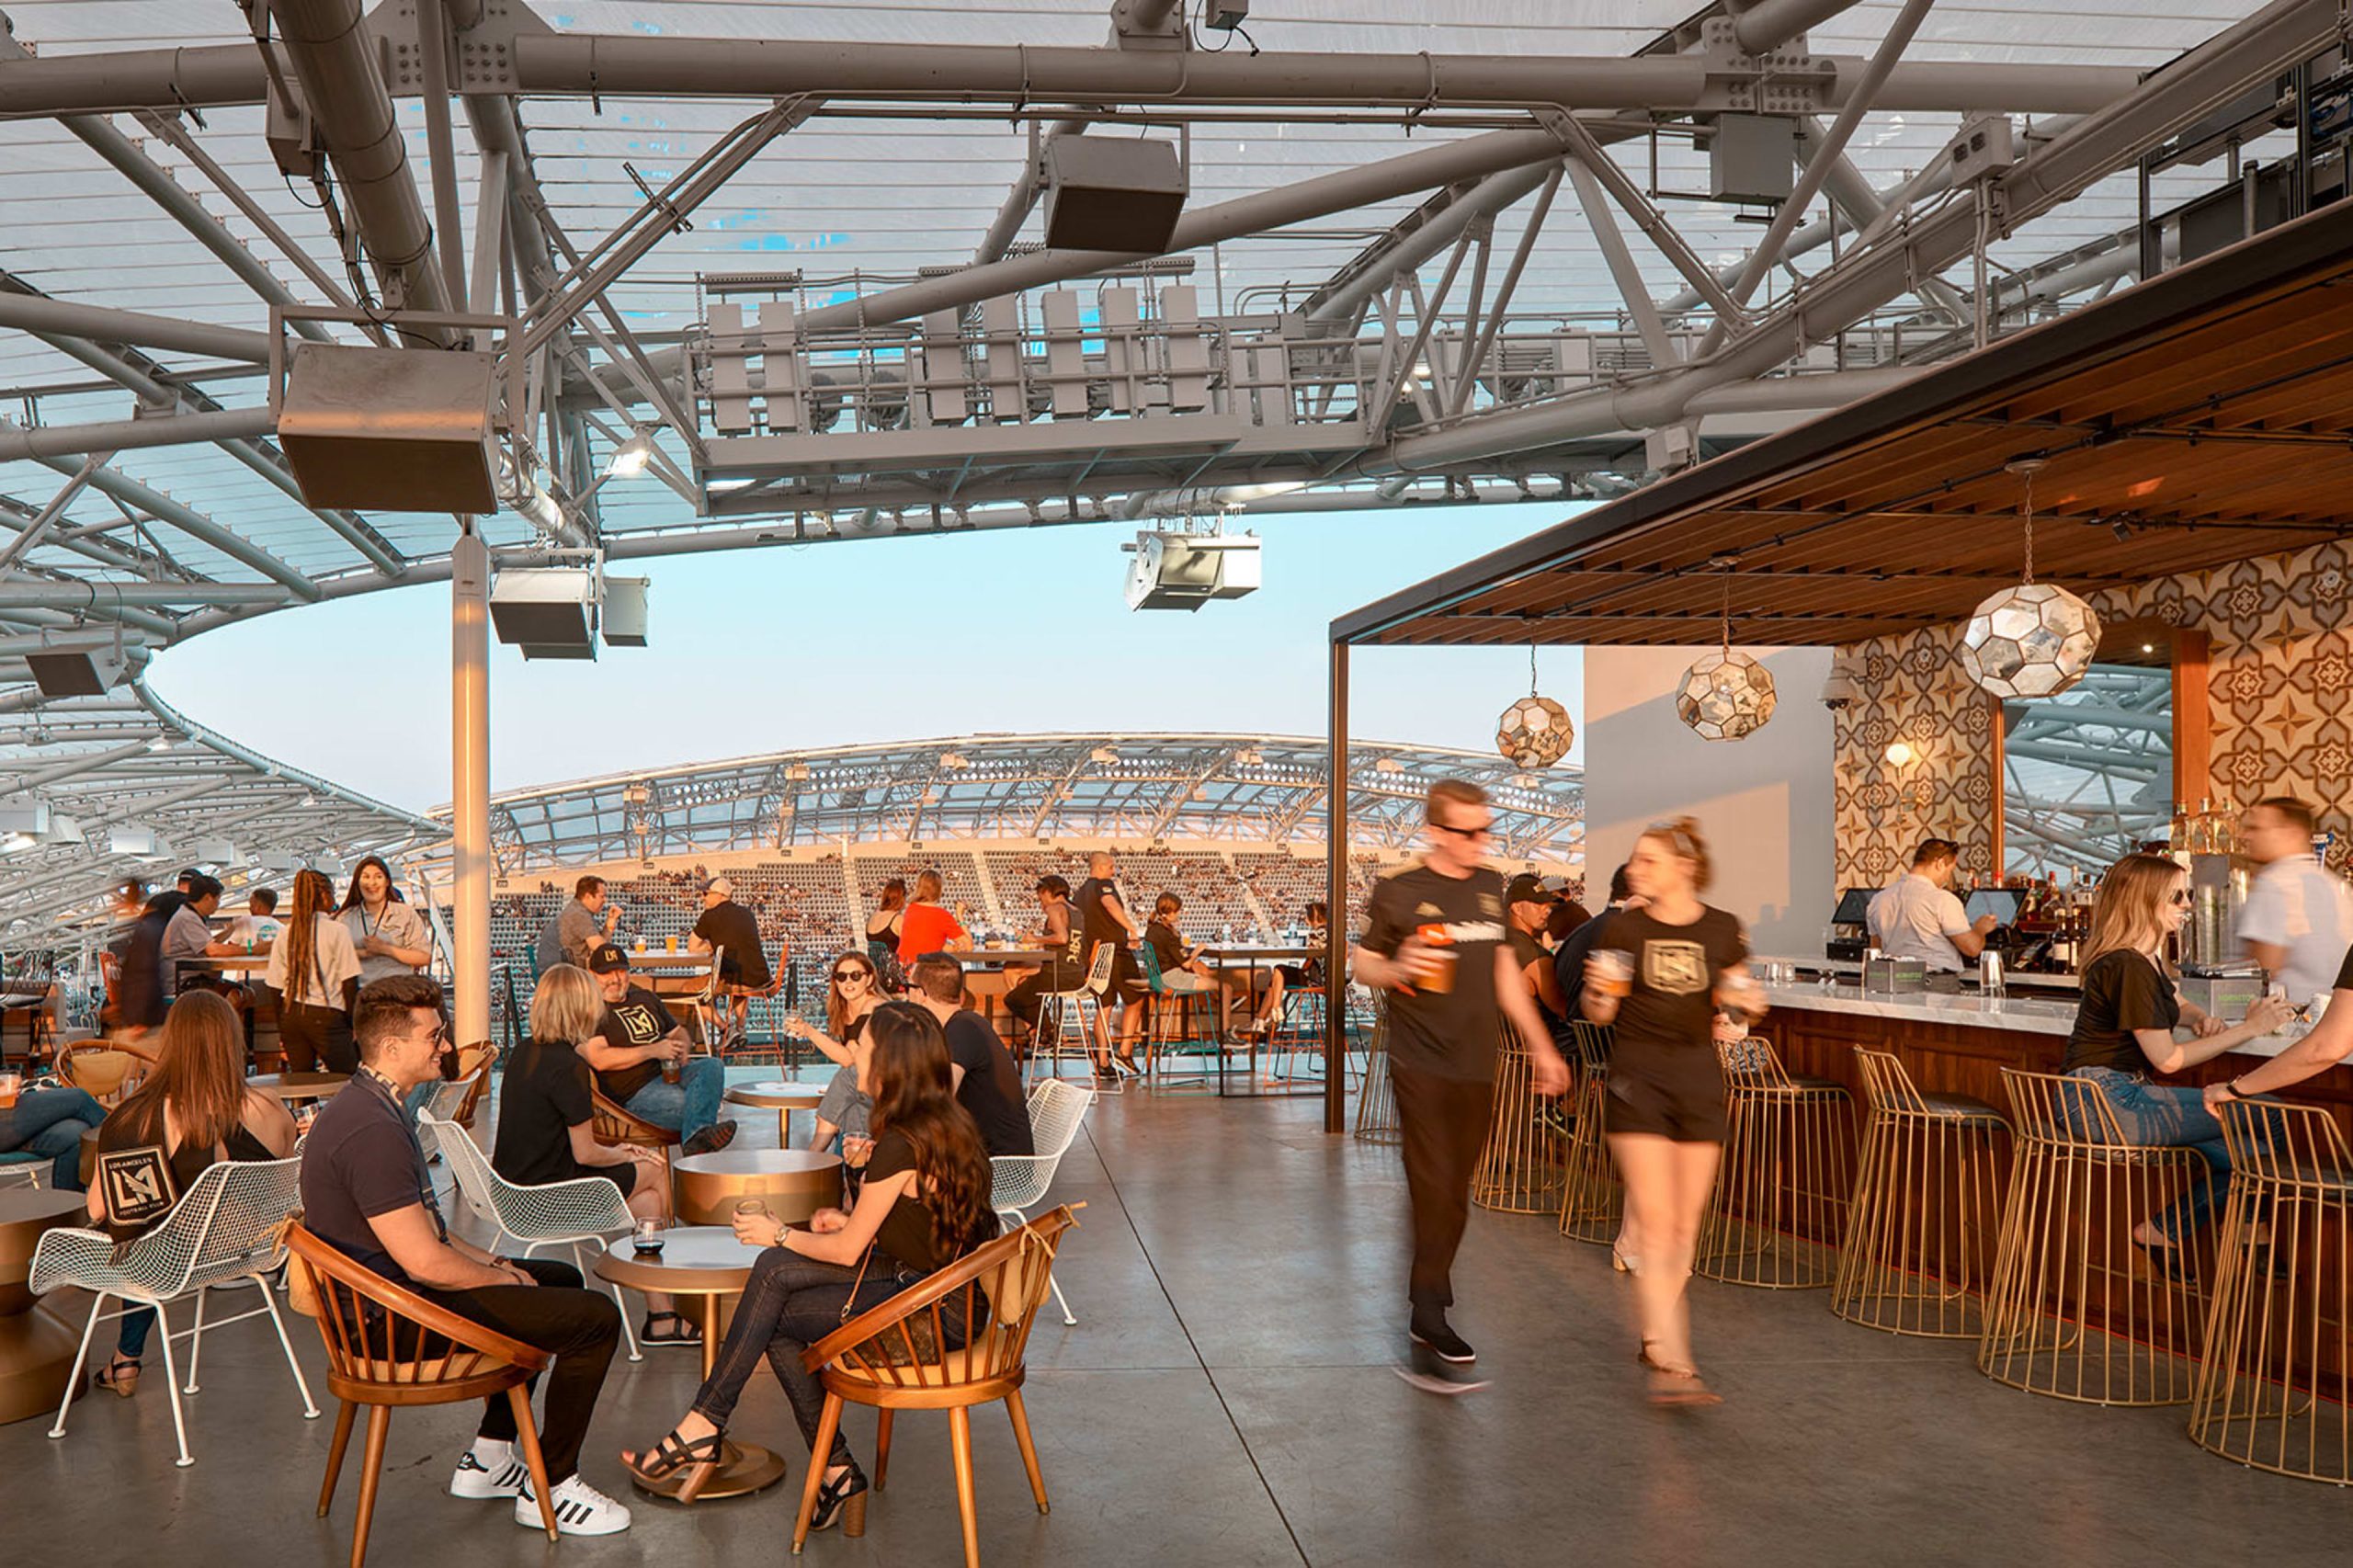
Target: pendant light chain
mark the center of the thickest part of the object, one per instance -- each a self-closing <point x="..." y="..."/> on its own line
<point x="1727" y="612"/>
<point x="1531" y="669"/>
<point x="2029" y="527"/>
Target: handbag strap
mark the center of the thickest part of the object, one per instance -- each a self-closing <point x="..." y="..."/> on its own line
<point x="850" y="1307"/>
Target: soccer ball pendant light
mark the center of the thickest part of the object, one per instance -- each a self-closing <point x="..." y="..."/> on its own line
<point x="2035" y="639"/>
<point x="1726" y="696"/>
<point x="1534" y="732"/>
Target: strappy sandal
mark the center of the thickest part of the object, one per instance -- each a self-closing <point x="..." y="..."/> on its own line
<point x="680" y="1331"/>
<point x="120" y="1376"/>
<point x="657" y="1466"/>
<point x="844" y="1499"/>
<point x="1674" y="1387"/>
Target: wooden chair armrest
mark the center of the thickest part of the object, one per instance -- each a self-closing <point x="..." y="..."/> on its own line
<point x="936" y="1286"/>
<point x="321" y="1258"/>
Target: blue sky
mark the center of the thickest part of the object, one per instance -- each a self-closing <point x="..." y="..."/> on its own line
<point x="1021" y="631"/>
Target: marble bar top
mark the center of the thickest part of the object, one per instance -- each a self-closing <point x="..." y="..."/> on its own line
<point x="1847" y="968"/>
<point x="2022" y="1014"/>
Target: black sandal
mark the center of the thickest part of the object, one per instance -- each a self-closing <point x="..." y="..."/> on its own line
<point x="839" y="1499"/>
<point x="655" y="1466"/>
<point x="118" y="1377"/>
<point x="680" y="1331"/>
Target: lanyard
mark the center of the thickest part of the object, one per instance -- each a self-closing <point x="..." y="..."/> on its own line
<point x="382" y="1087"/>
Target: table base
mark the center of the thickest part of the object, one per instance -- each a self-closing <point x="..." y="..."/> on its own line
<point x="36" y="1355"/>
<point x="744" y="1469"/>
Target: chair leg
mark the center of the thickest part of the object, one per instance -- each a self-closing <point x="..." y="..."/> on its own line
<point x="526" y="1432"/>
<point x="270" y="1300"/>
<point x="883" y="1445"/>
<point x="372" y="1462"/>
<point x="629" y="1336"/>
<point x="196" y="1338"/>
<point x="334" y="1455"/>
<point x="81" y="1357"/>
<point x="828" y="1422"/>
<point x="1068" y="1320"/>
<point x="171" y="1376"/>
<point x="1014" y="1407"/>
<point x="959" y="1439"/>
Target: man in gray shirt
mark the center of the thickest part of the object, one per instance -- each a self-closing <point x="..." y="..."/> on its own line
<point x="1918" y="918"/>
<point x="190" y="933"/>
<point x="579" y="926"/>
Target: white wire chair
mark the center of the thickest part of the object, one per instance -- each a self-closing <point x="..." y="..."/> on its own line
<point x="552" y="1214"/>
<point x="224" y="1231"/>
<point x="1018" y="1182"/>
<point x="1069" y="1008"/>
<point x="19" y="1169"/>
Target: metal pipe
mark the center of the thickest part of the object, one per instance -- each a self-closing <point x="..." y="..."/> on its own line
<point x="169" y="128"/>
<point x="470" y="783"/>
<point x="579" y="65"/>
<point x="1935" y="177"/>
<point x="1851" y="193"/>
<point x="1510" y="285"/>
<point x="1337" y="892"/>
<point x="38" y="313"/>
<point x="1622" y="266"/>
<point x="122" y="434"/>
<point x="433" y="61"/>
<point x="1768" y="24"/>
<point x="154" y="503"/>
<point x="71" y="767"/>
<point x="335" y="59"/>
<point x="79" y="595"/>
<point x="1340" y="298"/>
<point x="1022" y="198"/>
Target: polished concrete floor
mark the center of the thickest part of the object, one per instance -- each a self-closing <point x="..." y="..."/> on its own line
<point x="1227" y="1399"/>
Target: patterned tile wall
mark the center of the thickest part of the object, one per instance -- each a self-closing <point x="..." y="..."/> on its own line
<point x="2279" y="701"/>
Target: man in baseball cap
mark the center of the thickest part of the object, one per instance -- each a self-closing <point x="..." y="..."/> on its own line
<point x="1527" y="908"/>
<point x="641" y="1058"/>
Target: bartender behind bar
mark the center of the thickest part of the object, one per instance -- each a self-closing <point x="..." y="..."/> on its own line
<point x="1920" y="917"/>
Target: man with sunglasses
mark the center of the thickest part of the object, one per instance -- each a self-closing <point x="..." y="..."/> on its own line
<point x="367" y="1193"/>
<point x="1435" y="940"/>
<point x="636" y="1037"/>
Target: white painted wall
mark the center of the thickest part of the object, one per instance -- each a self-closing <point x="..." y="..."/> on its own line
<point x="1766" y="803"/>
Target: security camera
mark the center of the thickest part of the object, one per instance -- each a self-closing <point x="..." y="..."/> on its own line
<point x="1839" y="691"/>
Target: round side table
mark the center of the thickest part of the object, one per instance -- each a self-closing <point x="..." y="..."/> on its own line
<point x="36" y="1349"/>
<point x="703" y="1263"/>
<point x="290" y="1088"/>
<point x="781" y="1097"/>
<point x="794" y="1183"/>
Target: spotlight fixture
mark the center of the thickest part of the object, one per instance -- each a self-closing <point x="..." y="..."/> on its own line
<point x="630" y="458"/>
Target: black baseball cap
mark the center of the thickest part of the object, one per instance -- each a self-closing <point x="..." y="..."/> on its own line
<point x="605" y="958"/>
<point x="1528" y="888"/>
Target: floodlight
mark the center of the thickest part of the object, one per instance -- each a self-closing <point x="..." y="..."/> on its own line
<point x="630" y="458"/>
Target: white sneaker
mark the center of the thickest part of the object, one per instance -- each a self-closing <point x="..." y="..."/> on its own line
<point x="580" y="1510"/>
<point x="490" y="1468"/>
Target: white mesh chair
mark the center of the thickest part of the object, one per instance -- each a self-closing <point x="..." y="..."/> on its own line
<point x="554" y="1214"/>
<point x="446" y="1100"/>
<point x="224" y="1231"/>
<point x="1068" y="1009"/>
<point x="20" y="1169"/>
<point x="1018" y="1182"/>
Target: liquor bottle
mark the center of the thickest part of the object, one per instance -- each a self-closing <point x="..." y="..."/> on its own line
<point x="2202" y="827"/>
<point x="2179" y="839"/>
<point x="2226" y="829"/>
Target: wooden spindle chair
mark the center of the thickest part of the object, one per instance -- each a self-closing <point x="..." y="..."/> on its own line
<point x="389" y="1349"/>
<point x="890" y="1358"/>
<point x="616" y="1124"/>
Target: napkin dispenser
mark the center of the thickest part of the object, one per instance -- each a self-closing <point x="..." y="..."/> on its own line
<point x="1895" y="977"/>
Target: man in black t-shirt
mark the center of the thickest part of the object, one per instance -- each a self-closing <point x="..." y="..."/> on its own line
<point x="367" y="1193"/>
<point x="636" y="1036"/>
<point x="732" y="929"/>
<point x="1528" y="907"/>
<point x="1103" y="918"/>
<point x="1436" y="940"/>
<point x="987" y="1082"/>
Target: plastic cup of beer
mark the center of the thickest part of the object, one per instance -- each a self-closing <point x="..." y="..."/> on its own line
<point x="11" y="1085"/>
<point x="1613" y="971"/>
<point x="641" y="944"/>
<point x="670" y="1069"/>
<point x="669" y="944"/>
<point x="1439" y="980"/>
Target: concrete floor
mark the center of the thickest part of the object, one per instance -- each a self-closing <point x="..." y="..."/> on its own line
<point x="1227" y="1399"/>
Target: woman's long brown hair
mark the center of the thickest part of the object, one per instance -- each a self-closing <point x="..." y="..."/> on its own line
<point x="2126" y="910"/>
<point x="914" y="1096"/>
<point x="199" y="1074"/>
<point x="314" y="895"/>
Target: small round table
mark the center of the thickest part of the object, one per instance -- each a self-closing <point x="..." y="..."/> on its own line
<point x="708" y="1262"/>
<point x="782" y="1098"/>
<point x="36" y="1349"/>
<point x="292" y="1086"/>
<point x="794" y="1183"/>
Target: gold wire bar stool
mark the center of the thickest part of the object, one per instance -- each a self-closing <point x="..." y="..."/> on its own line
<point x="1377" y="1100"/>
<point x="1519" y="1170"/>
<point x="1779" y="1208"/>
<point x="2076" y="1311"/>
<point x="1593" y="1205"/>
<point x="2275" y="1391"/>
<point x="1927" y="1207"/>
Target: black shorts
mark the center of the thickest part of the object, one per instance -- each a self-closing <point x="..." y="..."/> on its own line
<point x="1685" y="1106"/>
<point x="1124" y="971"/>
<point x="622" y="1177"/>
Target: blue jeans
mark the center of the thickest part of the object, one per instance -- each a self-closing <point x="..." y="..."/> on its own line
<point x="690" y="1105"/>
<point x="2164" y="1115"/>
<point x="50" y="1122"/>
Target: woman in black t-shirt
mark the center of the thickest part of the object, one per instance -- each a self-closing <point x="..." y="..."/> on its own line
<point x="2124" y="1028"/>
<point x="1665" y="1114"/>
<point x="925" y="1204"/>
<point x="546" y="1123"/>
<point x="195" y="1109"/>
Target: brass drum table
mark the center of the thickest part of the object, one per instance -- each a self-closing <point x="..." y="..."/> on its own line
<point x="709" y="1263"/>
<point x="782" y="1098"/>
<point x="36" y="1349"/>
<point x="793" y="1183"/>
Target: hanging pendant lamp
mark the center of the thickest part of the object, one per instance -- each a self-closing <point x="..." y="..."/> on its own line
<point x="1534" y="732"/>
<point x="1726" y="696"/>
<point x="2035" y="639"/>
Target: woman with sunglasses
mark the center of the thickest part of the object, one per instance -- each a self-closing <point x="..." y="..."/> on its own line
<point x="852" y="992"/>
<point x="1661" y="974"/>
<point x="2124" y="1030"/>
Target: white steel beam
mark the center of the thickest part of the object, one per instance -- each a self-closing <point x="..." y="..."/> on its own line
<point x="1766" y="25"/>
<point x="122" y="434"/>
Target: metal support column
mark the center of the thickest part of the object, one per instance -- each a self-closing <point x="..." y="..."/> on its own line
<point x="1336" y="929"/>
<point x="470" y="783"/>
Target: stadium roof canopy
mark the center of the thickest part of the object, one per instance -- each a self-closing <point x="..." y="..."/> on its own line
<point x="1255" y="789"/>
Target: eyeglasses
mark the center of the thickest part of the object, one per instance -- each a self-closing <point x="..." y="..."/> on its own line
<point x="1481" y="831"/>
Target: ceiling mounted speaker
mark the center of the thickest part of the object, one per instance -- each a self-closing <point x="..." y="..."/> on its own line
<point x="549" y="612"/>
<point x="389" y="429"/>
<point x="1107" y="193"/>
<point x="75" y="672"/>
<point x="624" y="617"/>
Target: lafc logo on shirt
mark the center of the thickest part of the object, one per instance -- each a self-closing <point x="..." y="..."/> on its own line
<point x="1427" y="909"/>
<point x="1675" y="969"/>
<point x="1491" y="907"/>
